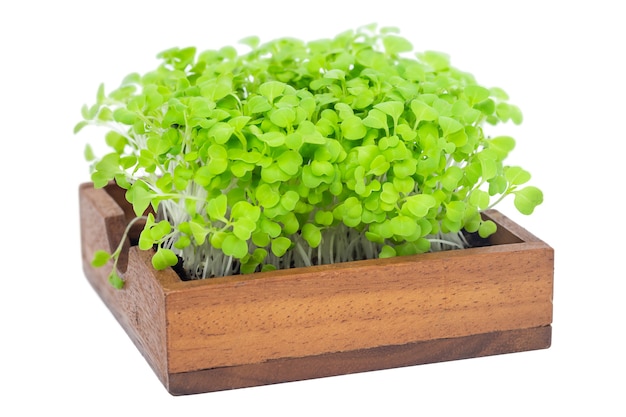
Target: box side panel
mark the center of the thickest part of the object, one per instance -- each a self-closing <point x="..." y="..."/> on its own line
<point x="139" y="306"/>
<point x="341" y="363"/>
<point x="326" y="310"/>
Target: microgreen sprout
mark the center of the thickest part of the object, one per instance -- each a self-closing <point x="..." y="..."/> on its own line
<point x="300" y="153"/>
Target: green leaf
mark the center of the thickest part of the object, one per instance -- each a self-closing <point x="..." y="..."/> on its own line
<point x="387" y="252"/>
<point x="273" y="138"/>
<point x="516" y="175"/>
<point x="391" y="108"/>
<point x="376" y="119"/>
<point x="312" y="235"/>
<point x="455" y="210"/>
<point x="476" y="94"/>
<point x="501" y="145"/>
<point x="115" y="280"/>
<point x="221" y="132"/>
<point x="164" y="258"/>
<point x="251" y="41"/>
<point x="499" y="93"/>
<point x="324" y="218"/>
<point x="258" y="104"/>
<point x="451" y="178"/>
<point x="109" y="164"/>
<point x="88" y="153"/>
<point x="182" y="242"/>
<point x="487" y="107"/>
<point x="439" y="61"/>
<point x="270" y="227"/>
<point x="405" y="168"/>
<point x="379" y="166"/>
<point x="260" y="238"/>
<point x="160" y="230"/>
<point x="396" y="45"/>
<point x="271" y="90"/>
<point x="146" y="241"/>
<point x="280" y="245"/>
<point x="273" y="173"/>
<point x="203" y="176"/>
<point x="449" y="125"/>
<point x="527" y="199"/>
<point x="310" y="134"/>
<point x="140" y="197"/>
<point x="267" y="196"/>
<point x="290" y="223"/>
<point x="217" y="152"/>
<point x="218" y="161"/>
<point x="403" y="226"/>
<point x="235" y="247"/>
<point x="389" y="194"/>
<point x="125" y="116"/>
<point x="487" y="228"/>
<point x="289" y="200"/>
<point x="423" y="111"/>
<point x="216" y="207"/>
<point x="353" y="128"/>
<point x="480" y="199"/>
<point x="105" y="114"/>
<point x="199" y="232"/>
<point x="516" y="114"/>
<point x="100" y="258"/>
<point x="420" y="204"/>
<point x="283" y="117"/>
<point x="488" y="163"/>
<point x="79" y="126"/>
<point x="116" y="141"/>
<point x="243" y="228"/>
<point x="322" y="168"/>
<point x="157" y="145"/>
<point x="290" y="162"/>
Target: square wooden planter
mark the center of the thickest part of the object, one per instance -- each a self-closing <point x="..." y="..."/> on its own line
<point x="242" y="331"/>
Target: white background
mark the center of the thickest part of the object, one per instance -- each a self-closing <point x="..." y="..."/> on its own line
<point x="61" y="351"/>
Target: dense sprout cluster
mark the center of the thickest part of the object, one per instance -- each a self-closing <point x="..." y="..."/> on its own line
<point x="300" y="153"/>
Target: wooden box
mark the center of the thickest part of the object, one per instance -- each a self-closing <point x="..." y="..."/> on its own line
<point x="289" y="325"/>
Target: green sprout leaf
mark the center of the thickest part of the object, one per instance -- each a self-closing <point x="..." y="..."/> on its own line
<point x="164" y="258"/>
<point x="271" y="90"/>
<point x="487" y="228"/>
<point x="283" y="117"/>
<point x="395" y="45"/>
<point x="476" y="94"/>
<point x="423" y="111"/>
<point x="527" y="199"/>
<point x="501" y="145"/>
<point x="280" y="245"/>
<point x="115" y="280"/>
<point x="234" y="246"/>
<point x="353" y="128"/>
<point x="140" y="197"/>
<point x="516" y="175"/>
<point x="387" y="252"/>
<point x="420" y="204"/>
<point x="216" y="207"/>
<point x="258" y="104"/>
<point x="100" y="258"/>
<point x="312" y="235"/>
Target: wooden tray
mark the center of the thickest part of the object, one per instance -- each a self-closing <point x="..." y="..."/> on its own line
<point x="289" y="325"/>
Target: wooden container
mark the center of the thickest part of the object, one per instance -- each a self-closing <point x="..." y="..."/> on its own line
<point x="289" y="325"/>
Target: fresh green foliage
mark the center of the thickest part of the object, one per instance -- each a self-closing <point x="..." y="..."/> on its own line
<point x="299" y="153"/>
